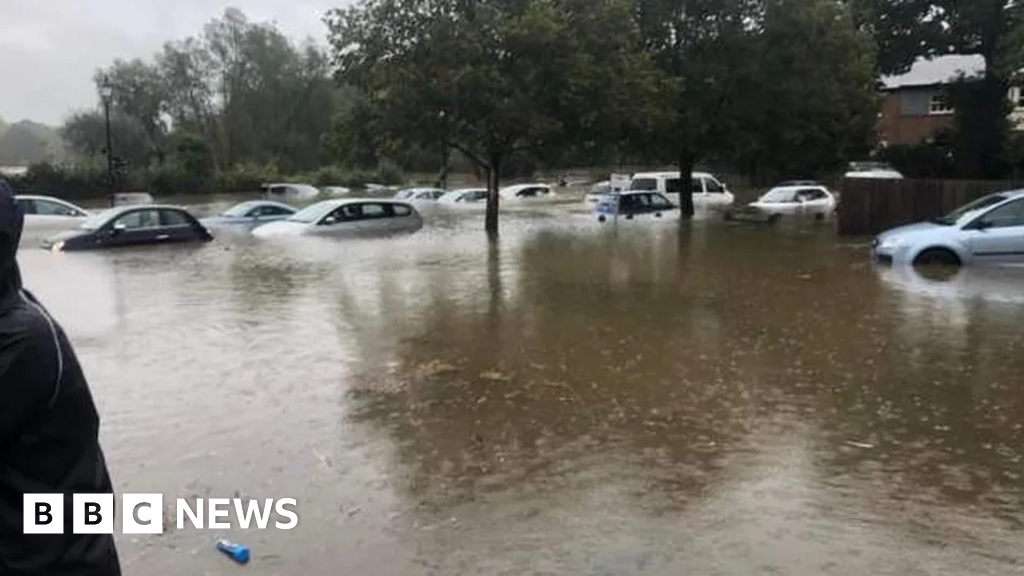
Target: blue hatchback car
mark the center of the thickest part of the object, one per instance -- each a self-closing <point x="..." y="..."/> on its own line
<point x="989" y="230"/>
<point x="249" y="215"/>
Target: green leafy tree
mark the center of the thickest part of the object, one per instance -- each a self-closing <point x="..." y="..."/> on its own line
<point x="707" y="51"/>
<point x="139" y="92"/>
<point x="815" y="105"/>
<point x="492" y="79"/>
<point x="994" y="29"/>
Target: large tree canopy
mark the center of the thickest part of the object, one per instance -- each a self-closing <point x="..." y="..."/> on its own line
<point x="493" y="78"/>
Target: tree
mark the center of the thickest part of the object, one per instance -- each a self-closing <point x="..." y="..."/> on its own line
<point x="139" y="93"/>
<point x="994" y="29"/>
<point x="85" y="133"/>
<point x="707" y="51"/>
<point x="827" y="117"/>
<point x="491" y="78"/>
<point x="251" y="93"/>
<point x="26" y="142"/>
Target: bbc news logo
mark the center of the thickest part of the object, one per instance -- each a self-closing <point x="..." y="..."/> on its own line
<point x="144" y="513"/>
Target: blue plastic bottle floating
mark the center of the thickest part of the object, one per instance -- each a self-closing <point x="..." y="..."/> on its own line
<point x="237" y="552"/>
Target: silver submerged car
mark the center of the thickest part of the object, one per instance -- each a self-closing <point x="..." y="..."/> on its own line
<point x="988" y="231"/>
<point x="347" y="218"/>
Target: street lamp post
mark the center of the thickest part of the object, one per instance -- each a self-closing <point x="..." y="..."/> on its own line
<point x="107" y="92"/>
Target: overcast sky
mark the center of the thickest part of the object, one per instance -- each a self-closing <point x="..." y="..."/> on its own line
<point x="49" y="49"/>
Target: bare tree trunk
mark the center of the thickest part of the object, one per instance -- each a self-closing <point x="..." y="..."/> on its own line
<point x="493" y="185"/>
<point x="686" y="164"/>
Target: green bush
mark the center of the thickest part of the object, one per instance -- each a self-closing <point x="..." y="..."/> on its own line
<point x="89" y="179"/>
<point x="173" y="178"/>
<point x="244" y="178"/>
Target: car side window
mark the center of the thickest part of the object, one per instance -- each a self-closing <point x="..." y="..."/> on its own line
<point x="658" y="201"/>
<point x="629" y="204"/>
<point x="527" y="193"/>
<point x="1006" y="216"/>
<point x="673" y="185"/>
<point x="269" y="211"/>
<point x="401" y="210"/>
<point x="344" y="213"/>
<point x="714" y="186"/>
<point x="697" y="185"/>
<point x="173" y="218"/>
<point x="46" y="208"/>
<point x="139" y="220"/>
<point x="374" y="211"/>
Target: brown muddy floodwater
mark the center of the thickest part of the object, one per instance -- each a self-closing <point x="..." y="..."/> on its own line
<point x="730" y="400"/>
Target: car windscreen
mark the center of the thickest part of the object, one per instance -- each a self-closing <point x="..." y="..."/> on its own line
<point x="309" y="214"/>
<point x="239" y="211"/>
<point x="984" y="202"/>
<point x="779" y="195"/>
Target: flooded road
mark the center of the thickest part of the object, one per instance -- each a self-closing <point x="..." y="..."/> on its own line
<point x="731" y="400"/>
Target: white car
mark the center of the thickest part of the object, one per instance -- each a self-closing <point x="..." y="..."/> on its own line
<point x="636" y="205"/>
<point x="291" y="191"/>
<point x="526" y="192"/>
<point x="464" y="196"/>
<point x="878" y="173"/>
<point x="706" y="189"/>
<point x="810" y="199"/>
<point x="50" y="213"/>
<point x="420" y="194"/>
<point x="351" y="217"/>
<point x="336" y="190"/>
<point x="598" y="193"/>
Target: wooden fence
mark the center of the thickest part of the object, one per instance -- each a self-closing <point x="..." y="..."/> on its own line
<point x="868" y="206"/>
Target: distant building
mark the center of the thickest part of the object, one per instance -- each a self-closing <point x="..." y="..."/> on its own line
<point x="916" y="105"/>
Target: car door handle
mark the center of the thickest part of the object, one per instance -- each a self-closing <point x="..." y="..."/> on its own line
<point x="163" y="237"/>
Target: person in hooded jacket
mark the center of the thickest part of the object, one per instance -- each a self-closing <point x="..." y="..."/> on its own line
<point x="49" y="427"/>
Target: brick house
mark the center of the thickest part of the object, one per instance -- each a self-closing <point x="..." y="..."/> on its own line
<point x="915" y="104"/>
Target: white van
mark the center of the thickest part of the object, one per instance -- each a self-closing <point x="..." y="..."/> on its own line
<point x="706" y="189"/>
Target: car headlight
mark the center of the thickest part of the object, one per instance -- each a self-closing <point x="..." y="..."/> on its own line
<point x="57" y="246"/>
<point x="891" y="243"/>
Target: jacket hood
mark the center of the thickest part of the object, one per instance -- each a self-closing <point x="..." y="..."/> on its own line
<point x="11" y="222"/>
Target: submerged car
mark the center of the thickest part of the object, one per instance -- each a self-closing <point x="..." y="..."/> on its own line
<point x="346" y="218"/>
<point x="420" y="194"/>
<point x="290" y="190"/>
<point x="637" y="205"/>
<point x="464" y="196"/>
<point x="796" y="199"/>
<point x="131" y="226"/>
<point x="706" y="189"/>
<point x="49" y="212"/>
<point x="336" y="190"/>
<point x="526" y="192"/>
<point x="249" y="215"/>
<point x="989" y="230"/>
<point x="598" y="193"/>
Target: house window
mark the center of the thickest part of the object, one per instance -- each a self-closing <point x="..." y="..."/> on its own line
<point x="940" y="103"/>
